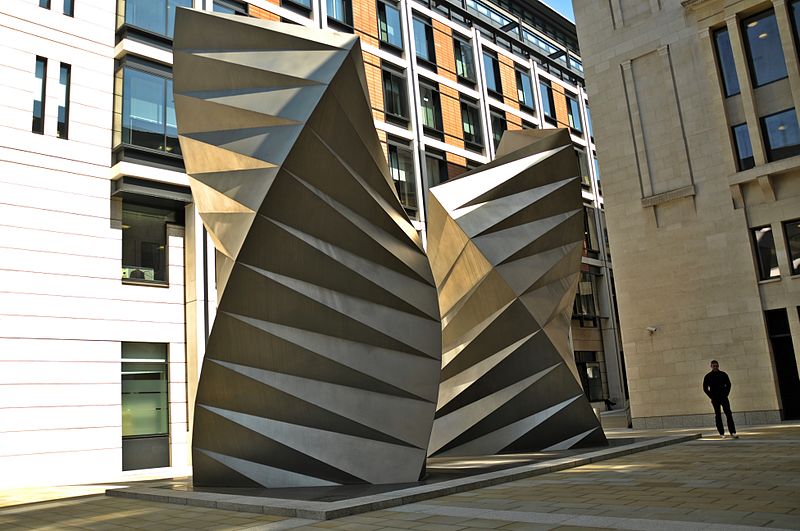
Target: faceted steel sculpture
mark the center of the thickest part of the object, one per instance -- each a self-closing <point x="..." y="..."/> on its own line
<point x="505" y="244"/>
<point x="322" y="365"/>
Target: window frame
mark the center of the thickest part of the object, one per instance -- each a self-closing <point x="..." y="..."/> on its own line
<point x="740" y="162"/>
<point x="493" y="116"/>
<point x="747" y="23"/>
<point x="43" y="95"/>
<point x="441" y="160"/>
<point x="769" y="150"/>
<point x="573" y="107"/>
<point x="402" y="81"/>
<point x="137" y="206"/>
<point x="762" y="275"/>
<point x="62" y="131"/>
<point x="393" y="144"/>
<point x="169" y="30"/>
<point x="238" y="8"/>
<point x="721" y="68"/>
<point x="433" y="131"/>
<point x="474" y="107"/>
<point x="430" y="44"/>
<point x="546" y="92"/>
<point x="793" y="270"/>
<point x="492" y="58"/>
<point x="386" y="43"/>
<point x="145" y="154"/>
<point x="459" y="46"/>
<point x="518" y="74"/>
<point x="346" y="22"/>
<point x="69" y="8"/>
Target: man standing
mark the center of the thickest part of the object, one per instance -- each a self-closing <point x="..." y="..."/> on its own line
<point x="717" y="386"/>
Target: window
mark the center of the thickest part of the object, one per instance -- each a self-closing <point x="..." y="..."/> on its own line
<point x="765" y="253"/>
<point x="548" y="105"/>
<point x="574" y="114"/>
<point x="401" y="167"/>
<point x="156" y="16"/>
<point x="395" y="102"/>
<point x="340" y="11"/>
<point x="744" y="150"/>
<point x="436" y="168"/>
<point x="492" y="68"/>
<point x="229" y="8"/>
<point x="431" y="108"/>
<point x="471" y="122"/>
<point x="69" y="8"/>
<point x="39" y="92"/>
<point x="63" y="100"/>
<point x="498" y="126"/>
<point x="590" y="241"/>
<point x="144" y="243"/>
<point x="727" y="66"/>
<point x="583" y="165"/>
<point x="584" y="305"/>
<point x="304" y="5"/>
<point x="792" y="231"/>
<point x="145" y="406"/>
<point x="148" y="111"/>
<point x="524" y="89"/>
<point x="44" y="3"/>
<point x="465" y="64"/>
<point x="589" y="371"/>
<point x="389" y="25"/>
<point x="423" y="40"/>
<point x="764" y="51"/>
<point x="589" y="122"/>
<point x="781" y="135"/>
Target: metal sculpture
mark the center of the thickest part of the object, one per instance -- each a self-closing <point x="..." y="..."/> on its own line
<point x="505" y="244"/>
<point x="322" y="365"/>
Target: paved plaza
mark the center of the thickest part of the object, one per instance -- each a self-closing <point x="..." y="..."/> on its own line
<point x="703" y="484"/>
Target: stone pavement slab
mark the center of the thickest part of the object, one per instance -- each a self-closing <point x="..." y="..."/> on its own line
<point x="757" y="476"/>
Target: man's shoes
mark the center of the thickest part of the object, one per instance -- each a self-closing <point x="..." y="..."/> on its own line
<point x="734" y="436"/>
<point x="722" y="436"/>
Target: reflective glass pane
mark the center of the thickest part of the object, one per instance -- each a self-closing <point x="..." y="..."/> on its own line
<point x="781" y="135"/>
<point x="744" y="150"/>
<point x="492" y="73"/>
<point x="63" y="100"/>
<point x="726" y="64"/>
<point x="339" y="10"/>
<point x="574" y="114"/>
<point x="143" y="109"/>
<point x="524" y="89"/>
<point x="471" y="124"/>
<point x="431" y="110"/>
<point x="172" y="5"/>
<point x="150" y="15"/>
<point x="421" y="40"/>
<point x="394" y="94"/>
<point x="792" y="229"/>
<point x="389" y="24"/>
<point x="145" y="406"/>
<point x="465" y="65"/>
<point x="764" y="50"/>
<point x="547" y="100"/>
<point x="498" y="126"/>
<point x="39" y="95"/>
<point x="69" y="8"/>
<point x="401" y="166"/>
<point x="765" y="253"/>
<point x="144" y="243"/>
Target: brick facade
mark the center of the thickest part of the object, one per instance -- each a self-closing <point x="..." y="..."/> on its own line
<point x="257" y="12"/>
<point x="508" y="81"/>
<point x="445" y="57"/>
<point x="372" y="69"/>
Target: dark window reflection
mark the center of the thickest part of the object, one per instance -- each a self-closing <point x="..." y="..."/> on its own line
<point x="148" y="112"/>
<point x="726" y="64"/>
<point x="157" y="16"/>
<point x="744" y="150"/>
<point x="781" y="135"/>
<point x="764" y="50"/>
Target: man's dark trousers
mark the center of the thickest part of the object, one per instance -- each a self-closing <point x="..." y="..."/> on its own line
<point x="725" y="404"/>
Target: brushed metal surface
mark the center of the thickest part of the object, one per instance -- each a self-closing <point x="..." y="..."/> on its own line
<point x="323" y="363"/>
<point x="505" y="243"/>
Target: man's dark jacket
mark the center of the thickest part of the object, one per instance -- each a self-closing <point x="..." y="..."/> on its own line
<point x="717" y="385"/>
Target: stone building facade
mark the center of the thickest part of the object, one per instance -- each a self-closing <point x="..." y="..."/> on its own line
<point x="700" y="150"/>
